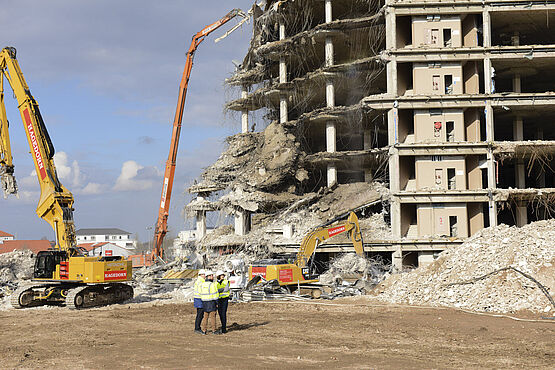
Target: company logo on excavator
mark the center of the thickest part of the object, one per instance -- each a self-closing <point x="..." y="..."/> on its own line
<point x="34" y="143"/>
<point x="335" y="230"/>
<point x="115" y="275"/>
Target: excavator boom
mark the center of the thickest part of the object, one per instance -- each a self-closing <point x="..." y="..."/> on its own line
<point x="56" y="202"/>
<point x="161" y="227"/>
<point x="320" y="234"/>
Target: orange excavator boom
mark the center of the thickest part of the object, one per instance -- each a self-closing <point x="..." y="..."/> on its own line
<point x="161" y="227"/>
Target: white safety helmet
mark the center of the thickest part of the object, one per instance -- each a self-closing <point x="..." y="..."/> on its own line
<point x="208" y="272"/>
<point x="219" y="272"/>
<point x="201" y="272"/>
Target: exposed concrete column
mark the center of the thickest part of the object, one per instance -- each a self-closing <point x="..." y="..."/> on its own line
<point x="391" y="71"/>
<point x="520" y="179"/>
<point x="200" y="218"/>
<point x="201" y="224"/>
<point x="395" y="213"/>
<point x="397" y="259"/>
<point x="516" y="83"/>
<point x="391" y="29"/>
<point x="331" y="131"/>
<point x="486" y="27"/>
<point x="242" y="222"/>
<point x="283" y="109"/>
<point x="244" y="112"/>
<point x="488" y="78"/>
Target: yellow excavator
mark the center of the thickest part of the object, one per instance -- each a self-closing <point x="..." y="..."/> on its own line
<point x="292" y="274"/>
<point x="63" y="275"/>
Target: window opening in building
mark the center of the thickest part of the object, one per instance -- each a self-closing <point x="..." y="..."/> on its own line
<point x="435" y="82"/>
<point x="453" y="226"/>
<point x="448" y="84"/>
<point x="447" y="37"/>
<point x="450" y="128"/>
<point x="452" y="180"/>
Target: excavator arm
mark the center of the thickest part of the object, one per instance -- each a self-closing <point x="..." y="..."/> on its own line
<point x="320" y="234"/>
<point x="161" y="227"/>
<point x="56" y="202"/>
<point x="7" y="179"/>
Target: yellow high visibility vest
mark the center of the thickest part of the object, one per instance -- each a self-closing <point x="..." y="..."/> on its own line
<point x="196" y="291"/>
<point x="208" y="291"/>
<point x="223" y="288"/>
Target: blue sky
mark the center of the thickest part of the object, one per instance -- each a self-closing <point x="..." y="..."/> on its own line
<point x="106" y="76"/>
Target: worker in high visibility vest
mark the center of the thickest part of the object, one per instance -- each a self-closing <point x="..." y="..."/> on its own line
<point x="209" y="297"/>
<point x="223" y="298"/>
<point x="198" y="302"/>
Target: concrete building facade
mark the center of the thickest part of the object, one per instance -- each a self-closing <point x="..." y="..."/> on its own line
<point x="456" y="98"/>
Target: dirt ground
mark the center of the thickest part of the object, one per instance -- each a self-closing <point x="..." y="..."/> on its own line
<point x="349" y="333"/>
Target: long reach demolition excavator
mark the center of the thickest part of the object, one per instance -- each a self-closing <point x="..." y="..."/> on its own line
<point x="299" y="272"/>
<point x="161" y="227"/>
<point x="64" y="274"/>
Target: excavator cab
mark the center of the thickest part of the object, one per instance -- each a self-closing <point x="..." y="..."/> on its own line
<point x="46" y="262"/>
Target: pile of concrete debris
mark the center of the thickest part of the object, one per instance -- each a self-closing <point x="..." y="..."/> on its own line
<point x="14" y="267"/>
<point x="473" y="275"/>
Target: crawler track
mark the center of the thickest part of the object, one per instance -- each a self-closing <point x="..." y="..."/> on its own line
<point x="98" y="295"/>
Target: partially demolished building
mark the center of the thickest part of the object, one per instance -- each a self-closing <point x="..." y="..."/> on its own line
<point x="432" y="119"/>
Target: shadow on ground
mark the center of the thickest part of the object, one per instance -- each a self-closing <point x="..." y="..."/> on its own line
<point x="239" y="327"/>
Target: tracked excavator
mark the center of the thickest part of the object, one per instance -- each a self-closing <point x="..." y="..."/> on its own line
<point x="299" y="272"/>
<point x="63" y="275"/>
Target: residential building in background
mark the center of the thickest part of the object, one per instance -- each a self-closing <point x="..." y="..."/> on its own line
<point x="108" y="249"/>
<point x="5" y="236"/>
<point x="112" y="235"/>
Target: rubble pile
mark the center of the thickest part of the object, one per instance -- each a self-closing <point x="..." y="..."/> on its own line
<point x="15" y="267"/>
<point x="305" y="213"/>
<point x="353" y="266"/>
<point x="529" y="249"/>
<point x="149" y="283"/>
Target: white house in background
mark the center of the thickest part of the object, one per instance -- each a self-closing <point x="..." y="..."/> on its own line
<point x="106" y="249"/>
<point x="5" y="236"/>
<point x="106" y="235"/>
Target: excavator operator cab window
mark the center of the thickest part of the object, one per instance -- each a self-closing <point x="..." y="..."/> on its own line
<point x="45" y="263"/>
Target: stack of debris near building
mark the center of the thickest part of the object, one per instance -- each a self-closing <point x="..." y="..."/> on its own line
<point x="431" y="119"/>
<point x="497" y="269"/>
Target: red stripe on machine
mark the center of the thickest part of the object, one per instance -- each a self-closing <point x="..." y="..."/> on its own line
<point x="259" y="271"/>
<point x="115" y="275"/>
<point x="34" y="143"/>
<point x="336" y="230"/>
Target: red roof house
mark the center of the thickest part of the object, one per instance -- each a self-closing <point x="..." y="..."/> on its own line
<point x="34" y="246"/>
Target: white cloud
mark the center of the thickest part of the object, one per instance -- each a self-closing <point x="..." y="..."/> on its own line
<point x="93" y="188"/>
<point x="29" y="181"/>
<point x="70" y="173"/>
<point x="133" y="176"/>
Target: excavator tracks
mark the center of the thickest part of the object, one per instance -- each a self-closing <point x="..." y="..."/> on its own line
<point x="25" y="296"/>
<point x="88" y="296"/>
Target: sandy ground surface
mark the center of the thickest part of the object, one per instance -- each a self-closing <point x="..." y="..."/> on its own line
<point x="349" y="333"/>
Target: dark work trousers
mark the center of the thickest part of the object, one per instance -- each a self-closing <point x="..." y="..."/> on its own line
<point x="198" y="320"/>
<point x="222" y="312"/>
